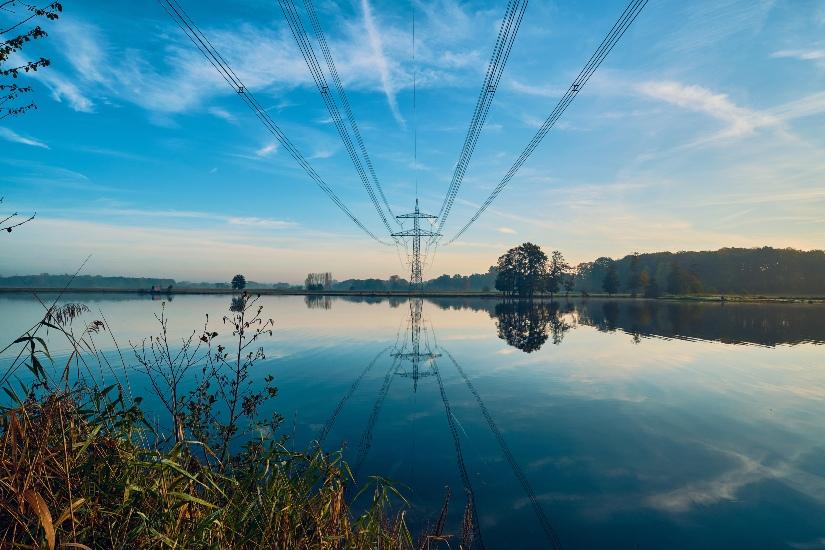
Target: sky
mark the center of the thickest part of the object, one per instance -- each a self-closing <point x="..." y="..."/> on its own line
<point x="702" y="129"/>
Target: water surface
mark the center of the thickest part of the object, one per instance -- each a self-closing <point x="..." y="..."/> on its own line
<point x="629" y="424"/>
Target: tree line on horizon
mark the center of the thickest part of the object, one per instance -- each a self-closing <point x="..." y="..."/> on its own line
<point x="754" y="271"/>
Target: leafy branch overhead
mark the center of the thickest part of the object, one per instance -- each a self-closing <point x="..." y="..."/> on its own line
<point x="11" y="221"/>
<point x="10" y="48"/>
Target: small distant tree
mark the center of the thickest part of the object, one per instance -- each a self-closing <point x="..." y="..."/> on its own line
<point x="317" y="281"/>
<point x="610" y="283"/>
<point x="238" y="282"/>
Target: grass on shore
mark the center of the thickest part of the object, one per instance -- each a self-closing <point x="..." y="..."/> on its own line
<point x="79" y="474"/>
<point x="81" y="468"/>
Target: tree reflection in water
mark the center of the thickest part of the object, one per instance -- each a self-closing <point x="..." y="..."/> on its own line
<point x="237" y="304"/>
<point x="315" y="301"/>
<point x="528" y="325"/>
<point x="764" y="324"/>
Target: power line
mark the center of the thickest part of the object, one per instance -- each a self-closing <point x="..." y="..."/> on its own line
<point x="191" y="30"/>
<point x="415" y="106"/>
<point x="308" y="52"/>
<point x="625" y="20"/>
<point x="462" y="468"/>
<point x="501" y="51"/>
<point x="319" y="34"/>
<point x="322" y="435"/>
<point x="549" y="532"/>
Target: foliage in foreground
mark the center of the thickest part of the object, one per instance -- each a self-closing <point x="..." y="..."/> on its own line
<point x="81" y="468"/>
<point x="76" y="470"/>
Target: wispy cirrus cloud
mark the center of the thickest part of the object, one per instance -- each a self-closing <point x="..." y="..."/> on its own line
<point x="739" y="121"/>
<point x="174" y="78"/>
<point x="173" y="214"/>
<point x="10" y="135"/>
<point x="381" y="62"/>
<point x="222" y="114"/>
<point x="809" y="105"/>
<point x="549" y="91"/>
<point x="802" y="54"/>
<point x="267" y="150"/>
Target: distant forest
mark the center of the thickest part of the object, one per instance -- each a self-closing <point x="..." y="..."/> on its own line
<point x="749" y="271"/>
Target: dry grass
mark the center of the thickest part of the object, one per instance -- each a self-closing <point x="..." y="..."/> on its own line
<point x="75" y="475"/>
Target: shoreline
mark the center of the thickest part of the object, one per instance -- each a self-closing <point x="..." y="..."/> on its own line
<point x="715" y="298"/>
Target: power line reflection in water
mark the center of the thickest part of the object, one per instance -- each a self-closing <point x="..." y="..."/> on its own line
<point x="415" y="356"/>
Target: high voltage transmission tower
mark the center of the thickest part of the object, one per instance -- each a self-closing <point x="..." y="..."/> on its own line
<point x="416" y="233"/>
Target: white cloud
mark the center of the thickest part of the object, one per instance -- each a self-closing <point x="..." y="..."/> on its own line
<point x="168" y="75"/>
<point x="223" y="114"/>
<point x="183" y="215"/>
<point x="323" y="153"/>
<point x="531" y="121"/>
<point x="506" y="230"/>
<point x="740" y="121"/>
<point x="61" y="87"/>
<point x="810" y="105"/>
<point x="803" y="55"/>
<point x="260" y="222"/>
<point x="267" y="150"/>
<point x="540" y="91"/>
<point x="381" y="62"/>
<point x="10" y="135"/>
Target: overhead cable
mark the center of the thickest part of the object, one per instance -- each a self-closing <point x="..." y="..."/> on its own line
<point x="319" y="35"/>
<point x="191" y="30"/>
<point x="308" y="53"/>
<point x="501" y="51"/>
<point x="625" y="20"/>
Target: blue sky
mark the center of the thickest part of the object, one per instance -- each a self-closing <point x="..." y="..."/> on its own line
<point x="702" y="129"/>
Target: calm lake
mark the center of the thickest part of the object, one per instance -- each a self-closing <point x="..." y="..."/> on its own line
<point x="622" y="424"/>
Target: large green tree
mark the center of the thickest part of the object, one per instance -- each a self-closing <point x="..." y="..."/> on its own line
<point x="522" y="271"/>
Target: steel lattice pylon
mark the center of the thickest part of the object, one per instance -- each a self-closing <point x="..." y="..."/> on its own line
<point x="416" y="279"/>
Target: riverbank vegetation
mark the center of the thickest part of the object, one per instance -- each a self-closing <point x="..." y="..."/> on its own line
<point x="762" y="271"/>
<point x="82" y="467"/>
